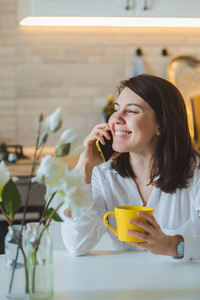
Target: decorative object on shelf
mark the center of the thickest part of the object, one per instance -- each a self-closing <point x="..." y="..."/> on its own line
<point x="184" y="72"/>
<point x="11" y="153"/>
<point x="108" y="110"/>
<point x="62" y="187"/>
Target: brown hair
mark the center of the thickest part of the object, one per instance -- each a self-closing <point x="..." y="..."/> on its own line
<point x="174" y="158"/>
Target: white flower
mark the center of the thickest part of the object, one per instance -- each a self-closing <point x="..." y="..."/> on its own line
<point x="4" y="177"/>
<point x="79" y="200"/>
<point x="4" y="174"/>
<point x="54" y="121"/>
<point x="68" y="186"/>
<point x="75" y="195"/>
<point x="69" y="136"/>
<point x="50" y="171"/>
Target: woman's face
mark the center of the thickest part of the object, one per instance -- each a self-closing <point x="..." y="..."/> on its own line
<point x="133" y="124"/>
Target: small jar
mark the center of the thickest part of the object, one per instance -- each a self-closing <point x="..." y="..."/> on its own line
<point x="27" y="234"/>
<point x="39" y="252"/>
<point x="16" y="273"/>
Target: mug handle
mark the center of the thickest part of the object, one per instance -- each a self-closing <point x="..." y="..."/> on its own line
<point x="106" y="223"/>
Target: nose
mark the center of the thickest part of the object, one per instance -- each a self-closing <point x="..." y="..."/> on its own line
<point x="118" y="118"/>
<point x="120" y="121"/>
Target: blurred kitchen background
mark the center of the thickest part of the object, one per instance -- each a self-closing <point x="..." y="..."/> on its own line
<point x="43" y="67"/>
<point x="75" y="67"/>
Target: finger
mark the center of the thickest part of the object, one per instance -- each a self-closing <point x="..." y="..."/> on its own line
<point x="149" y="218"/>
<point x="90" y="139"/>
<point x="140" y="244"/>
<point x="144" y="225"/>
<point x="104" y="126"/>
<point x="100" y="138"/>
<point x="97" y="134"/>
<point x="142" y="236"/>
<point x="102" y="133"/>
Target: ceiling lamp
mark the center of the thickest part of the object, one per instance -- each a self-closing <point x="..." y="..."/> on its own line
<point x="111" y="21"/>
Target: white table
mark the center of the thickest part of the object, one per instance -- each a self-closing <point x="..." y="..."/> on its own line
<point x="107" y="275"/>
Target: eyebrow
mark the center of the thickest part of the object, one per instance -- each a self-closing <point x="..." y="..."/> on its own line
<point x="129" y="104"/>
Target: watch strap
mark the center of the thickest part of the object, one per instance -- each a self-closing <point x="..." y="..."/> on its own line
<point x="180" y="247"/>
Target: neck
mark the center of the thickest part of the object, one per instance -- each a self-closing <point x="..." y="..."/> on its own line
<point x="141" y="165"/>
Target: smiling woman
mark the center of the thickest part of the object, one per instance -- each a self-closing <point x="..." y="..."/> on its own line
<point x="133" y="124"/>
<point x="155" y="165"/>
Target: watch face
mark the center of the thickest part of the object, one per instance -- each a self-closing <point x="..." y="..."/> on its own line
<point x="180" y="247"/>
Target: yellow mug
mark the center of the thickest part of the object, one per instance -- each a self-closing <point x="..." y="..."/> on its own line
<point x="123" y="214"/>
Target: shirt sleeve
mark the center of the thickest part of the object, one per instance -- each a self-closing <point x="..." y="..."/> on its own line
<point x="191" y="248"/>
<point x="196" y="188"/>
<point x="192" y="243"/>
<point x="82" y="235"/>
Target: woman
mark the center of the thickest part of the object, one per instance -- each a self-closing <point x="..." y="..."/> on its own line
<point x="155" y="165"/>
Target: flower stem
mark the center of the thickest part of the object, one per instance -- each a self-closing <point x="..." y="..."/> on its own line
<point x="35" y="160"/>
<point x="45" y="209"/>
<point x="5" y="215"/>
<point x="19" y="243"/>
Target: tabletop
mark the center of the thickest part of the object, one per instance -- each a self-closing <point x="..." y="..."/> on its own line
<point x="109" y="275"/>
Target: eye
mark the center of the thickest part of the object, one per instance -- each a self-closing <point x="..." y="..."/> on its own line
<point x="132" y="112"/>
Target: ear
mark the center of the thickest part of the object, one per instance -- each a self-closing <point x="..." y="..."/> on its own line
<point x="158" y="131"/>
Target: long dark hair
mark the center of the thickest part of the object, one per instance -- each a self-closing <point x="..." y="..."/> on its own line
<point x="174" y="158"/>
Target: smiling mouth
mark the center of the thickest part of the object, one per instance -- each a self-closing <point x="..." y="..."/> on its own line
<point x="118" y="133"/>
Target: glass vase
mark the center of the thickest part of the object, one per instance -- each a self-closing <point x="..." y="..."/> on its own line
<point x="39" y="251"/>
<point x="16" y="272"/>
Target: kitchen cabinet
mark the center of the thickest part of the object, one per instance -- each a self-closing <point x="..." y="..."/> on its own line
<point x="167" y="8"/>
<point x="109" y="8"/>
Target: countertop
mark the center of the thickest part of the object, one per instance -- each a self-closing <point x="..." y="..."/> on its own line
<point x="22" y="167"/>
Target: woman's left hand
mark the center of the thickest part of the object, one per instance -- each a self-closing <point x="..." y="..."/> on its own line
<point x="155" y="241"/>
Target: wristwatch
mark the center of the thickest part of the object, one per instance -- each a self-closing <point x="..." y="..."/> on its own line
<point x="180" y="247"/>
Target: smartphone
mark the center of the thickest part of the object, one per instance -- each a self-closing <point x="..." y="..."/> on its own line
<point x="106" y="150"/>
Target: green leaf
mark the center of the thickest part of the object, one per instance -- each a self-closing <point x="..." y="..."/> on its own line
<point x="49" y="212"/>
<point x="57" y="218"/>
<point x="11" y="199"/>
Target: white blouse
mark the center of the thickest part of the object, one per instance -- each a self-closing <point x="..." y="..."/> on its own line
<point x="176" y="213"/>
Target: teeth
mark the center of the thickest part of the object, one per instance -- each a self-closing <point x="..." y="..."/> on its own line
<point x="121" y="132"/>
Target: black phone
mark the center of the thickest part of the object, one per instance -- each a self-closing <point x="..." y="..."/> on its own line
<point x="106" y="150"/>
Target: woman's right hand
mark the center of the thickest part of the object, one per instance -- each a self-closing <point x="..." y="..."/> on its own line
<point x="91" y="156"/>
